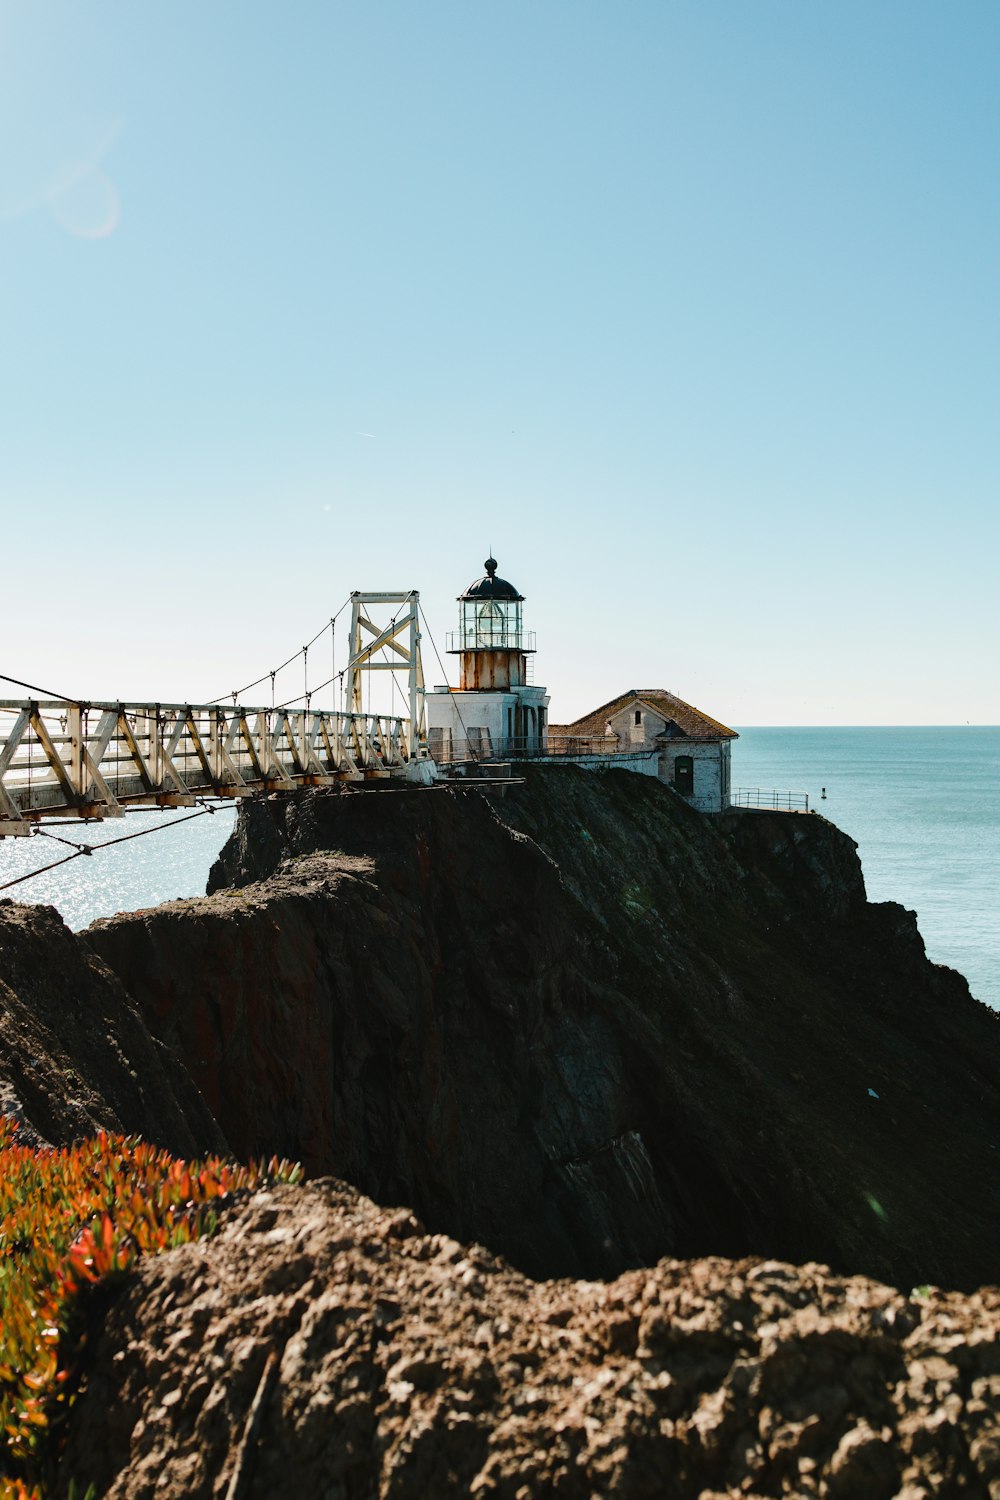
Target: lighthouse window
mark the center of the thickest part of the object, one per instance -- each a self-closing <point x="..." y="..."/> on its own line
<point x="491" y="623"/>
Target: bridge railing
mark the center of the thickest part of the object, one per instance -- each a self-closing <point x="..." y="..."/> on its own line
<point x="92" y="760"/>
<point x="482" y="746"/>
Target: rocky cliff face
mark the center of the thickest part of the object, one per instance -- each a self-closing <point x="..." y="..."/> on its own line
<point x="586" y="1027"/>
<point x="75" y="1055"/>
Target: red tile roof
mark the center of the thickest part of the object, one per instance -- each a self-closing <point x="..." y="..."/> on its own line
<point x="691" y="721"/>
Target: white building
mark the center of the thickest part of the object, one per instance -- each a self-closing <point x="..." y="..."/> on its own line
<point x="494" y="711"/>
<point x="689" y="750"/>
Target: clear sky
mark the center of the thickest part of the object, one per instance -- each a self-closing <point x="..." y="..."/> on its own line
<point x="688" y="310"/>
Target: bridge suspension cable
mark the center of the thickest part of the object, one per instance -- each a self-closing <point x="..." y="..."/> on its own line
<point x="236" y="693"/>
<point x="444" y="674"/>
<point x="81" y="849"/>
<point x="43" y="692"/>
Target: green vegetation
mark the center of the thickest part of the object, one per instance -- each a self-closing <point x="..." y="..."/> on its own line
<point x="71" y="1219"/>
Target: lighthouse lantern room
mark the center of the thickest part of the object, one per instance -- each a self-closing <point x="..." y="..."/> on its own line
<point x="491" y="640"/>
<point x="495" y="710"/>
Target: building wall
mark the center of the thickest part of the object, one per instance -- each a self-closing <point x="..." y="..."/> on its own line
<point x="465" y="712"/>
<point x="643" y="763"/>
<point x="711" y="758"/>
<point x="711" y="762"/>
<point x="493" y="671"/>
<point x="633" y="736"/>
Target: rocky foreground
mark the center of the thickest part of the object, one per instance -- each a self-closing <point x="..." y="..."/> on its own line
<point x="410" y="1367"/>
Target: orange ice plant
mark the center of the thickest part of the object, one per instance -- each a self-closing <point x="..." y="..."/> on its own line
<point x="71" y="1217"/>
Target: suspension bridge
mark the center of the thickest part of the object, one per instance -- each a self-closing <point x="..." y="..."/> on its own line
<point x="66" y="759"/>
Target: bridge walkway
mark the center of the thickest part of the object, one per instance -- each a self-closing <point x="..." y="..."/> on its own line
<point x="61" y="759"/>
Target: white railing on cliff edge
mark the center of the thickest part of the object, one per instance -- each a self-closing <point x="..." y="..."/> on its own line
<point x="769" y="801"/>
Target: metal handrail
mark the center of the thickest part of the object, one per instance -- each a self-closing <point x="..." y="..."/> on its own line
<point x="489" y="640"/>
<point x="485" y="748"/>
<point x="769" y="799"/>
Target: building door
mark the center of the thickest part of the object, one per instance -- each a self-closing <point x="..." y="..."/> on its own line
<point x="684" y="775"/>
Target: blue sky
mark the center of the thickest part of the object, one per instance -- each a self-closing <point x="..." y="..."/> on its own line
<point x="688" y="310"/>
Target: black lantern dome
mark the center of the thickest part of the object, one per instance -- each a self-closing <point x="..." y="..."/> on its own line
<point x="492" y="587"/>
<point x="489" y="617"/>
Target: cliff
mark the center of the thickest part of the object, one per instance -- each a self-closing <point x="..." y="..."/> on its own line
<point x="586" y="1027"/>
<point x="593" y="1031"/>
<point x="75" y="1055"/>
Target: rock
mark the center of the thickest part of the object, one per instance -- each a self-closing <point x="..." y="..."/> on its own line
<point x="75" y="1055"/>
<point x="414" y="1366"/>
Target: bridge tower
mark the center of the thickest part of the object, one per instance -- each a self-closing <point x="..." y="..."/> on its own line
<point x="495" y="711"/>
<point x="390" y="648"/>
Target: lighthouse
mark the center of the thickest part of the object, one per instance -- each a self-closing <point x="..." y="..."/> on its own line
<point x="494" y="711"/>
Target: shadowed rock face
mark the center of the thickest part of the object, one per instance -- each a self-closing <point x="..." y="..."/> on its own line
<point x="75" y="1055"/>
<point x="408" y="1366"/>
<point x="586" y="1027"/>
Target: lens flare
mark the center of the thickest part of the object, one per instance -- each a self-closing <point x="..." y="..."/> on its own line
<point x="87" y="206"/>
<point x="876" y="1207"/>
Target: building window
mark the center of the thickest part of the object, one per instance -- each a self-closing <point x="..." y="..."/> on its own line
<point x="638" y="716"/>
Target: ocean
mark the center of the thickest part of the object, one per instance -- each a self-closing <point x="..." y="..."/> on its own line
<point x="174" y="860"/>
<point x="923" y="806"/>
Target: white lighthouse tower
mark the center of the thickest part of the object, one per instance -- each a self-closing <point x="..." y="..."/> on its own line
<point x="494" y="711"/>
